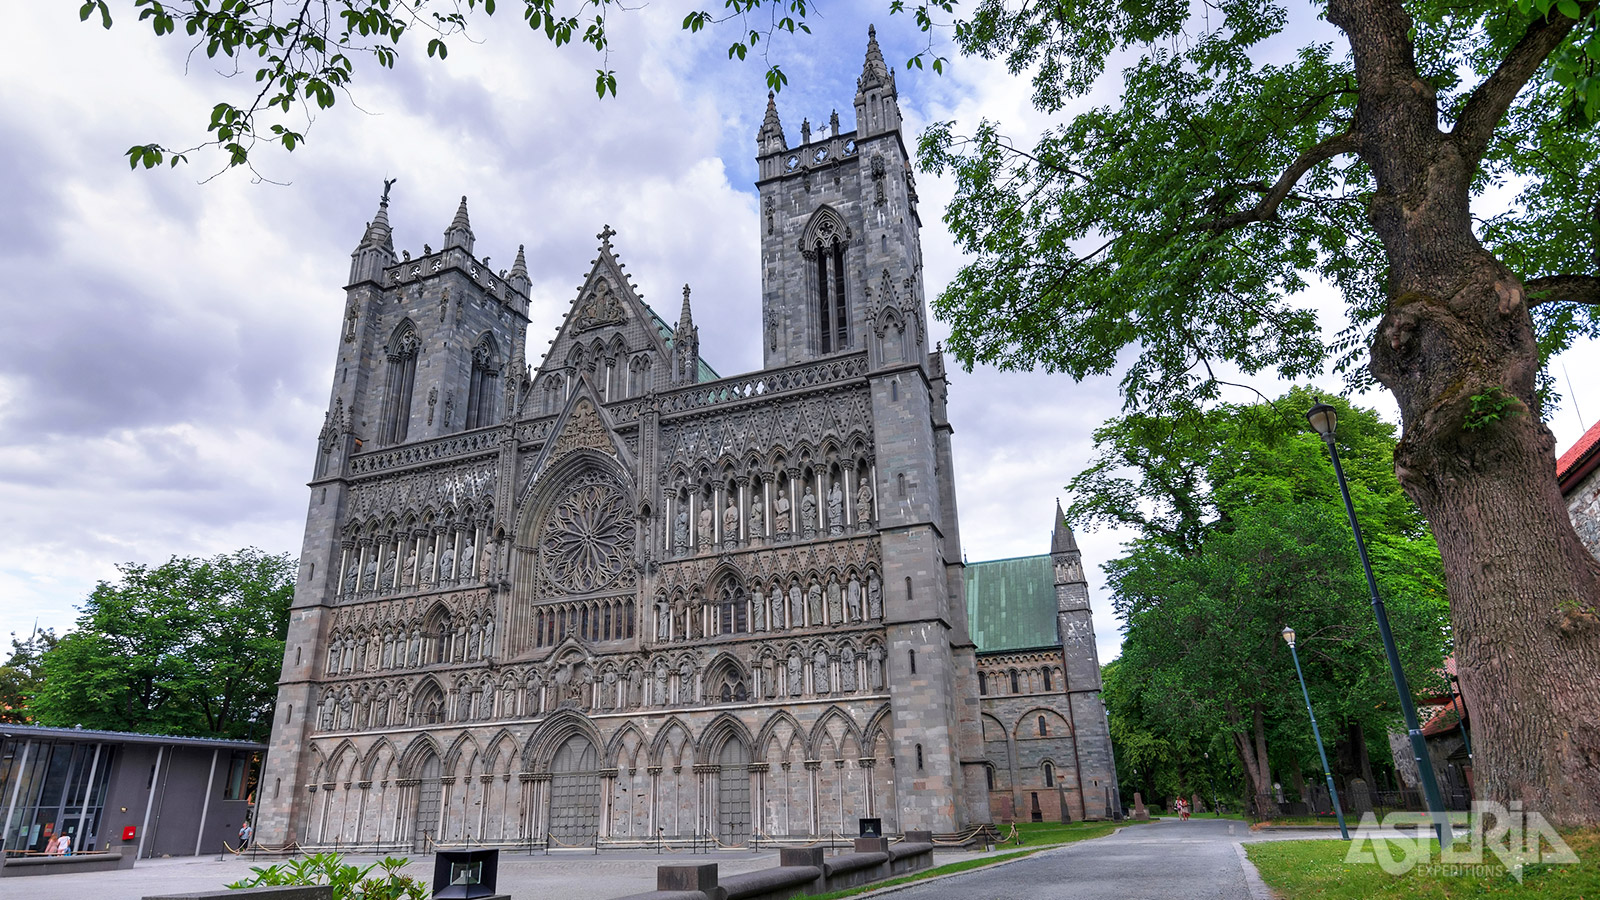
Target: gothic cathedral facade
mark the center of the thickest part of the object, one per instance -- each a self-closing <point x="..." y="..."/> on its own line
<point x="618" y="597"/>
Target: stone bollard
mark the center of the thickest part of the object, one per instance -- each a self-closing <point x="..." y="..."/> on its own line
<point x="1139" y="810"/>
<point x="872" y="845"/>
<point x="919" y="837"/>
<point x="702" y="878"/>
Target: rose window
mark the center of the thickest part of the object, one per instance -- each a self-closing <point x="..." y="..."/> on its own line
<point x="587" y="538"/>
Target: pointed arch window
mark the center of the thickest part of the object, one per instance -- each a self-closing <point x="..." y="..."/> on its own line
<point x="399" y="379"/>
<point x="481" y="392"/>
<point x="824" y="243"/>
<point x="732" y="607"/>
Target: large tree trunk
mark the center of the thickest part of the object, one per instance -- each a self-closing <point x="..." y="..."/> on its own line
<point x="1250" y="742"/>
<point x="1523" y="590"/>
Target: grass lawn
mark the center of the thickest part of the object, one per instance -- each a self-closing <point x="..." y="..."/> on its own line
<point x="1301" y="870"/>
<point x="1031" y="836"/>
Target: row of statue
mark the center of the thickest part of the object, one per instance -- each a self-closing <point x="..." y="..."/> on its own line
<point x="690" y="618"/>
<point x="435" y="569"/>
<point x="705" y="527"/>
<point x="466" y="639"/>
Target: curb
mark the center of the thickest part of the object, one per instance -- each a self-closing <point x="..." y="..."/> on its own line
<point x="1252" y="877"/>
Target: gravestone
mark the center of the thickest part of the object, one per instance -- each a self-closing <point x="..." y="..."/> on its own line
<point x="1139" y="810"/>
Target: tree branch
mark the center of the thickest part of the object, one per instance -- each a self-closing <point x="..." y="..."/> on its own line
<point x="1583" y="289"/>
<point x="1266" y="210"/>
<point x="1489" y="101"/>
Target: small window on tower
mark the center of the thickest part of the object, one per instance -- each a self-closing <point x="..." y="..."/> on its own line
<point x="1044" y="730"/>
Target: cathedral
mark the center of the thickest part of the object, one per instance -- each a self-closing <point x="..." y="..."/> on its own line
<point x="612" y="596"/>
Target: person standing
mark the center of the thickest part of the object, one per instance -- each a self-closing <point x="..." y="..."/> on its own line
<point x="245" y="834"/>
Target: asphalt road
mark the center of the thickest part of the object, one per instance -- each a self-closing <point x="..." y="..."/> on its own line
<point x="1166" y="860"/>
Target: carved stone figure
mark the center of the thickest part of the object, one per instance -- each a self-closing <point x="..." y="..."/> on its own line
<point x="874" y="597"/>
<point x="835" y="510"/>
<point x="680" y="531"/>
<point x="780" y="515"/>
<point x="686" y="690"/>
<point x="427" y="567"/>
<point x="488" y="637"/>
<point x="608" y="696"/>
<point x="777" y="609"/>
<point x="408" y="575"/>
<point x="852" y="599"/>
<point x="758" y="522"/>
<point x="769" y="676"/>
<point x="369" y="576"/>
<point x="447" y="564"/>
<point x="704" y="533"/>
<point x="797" y="610"/>
<point x="797" y="676"/>
<point x="414" y="657"/>
<point x="758" y="609"/>
<point x="474" y="640"/>
<point x="661" y="683"/>
<point x="387" y="579"/>
<point x="335" y="653"/>
<point x="819" y="672"/>
<point x="730" y="524"/>
<point x="808" y="515"/>
<point x="469" y="559"/>
<point x="635" y="686"/>
<point x="875" y="667"/>
<point x="847" y="669"/>
<point x="864" y="502"/>
<point x="835" y="610"/>
<point x="814" y="605"/>
<point x="663" y="620"/>
<point x="351" y="576"/>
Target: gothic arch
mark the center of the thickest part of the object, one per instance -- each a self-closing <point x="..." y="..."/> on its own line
<point x="880" y="722"/>
<point x="819" y="731"/>
<point x="664" y="738"/>
<point x="502" y="752"/>
<point x="825" y="229"/>
<point x="417" y="753"/>
<point x="619" y="742"/>
<point x="462" y="748"/>
<point x="379" y="760"/>
<point x="542" y="745"/>
<point x="723" y="728"/>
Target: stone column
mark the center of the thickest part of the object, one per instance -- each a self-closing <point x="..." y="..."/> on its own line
<point x="345" y="547"/>
<point x="794" y="503"/>
<point x="848" y="488"/>
<point x="742" y="503"/>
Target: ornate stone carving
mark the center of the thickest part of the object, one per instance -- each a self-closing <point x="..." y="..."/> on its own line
<point x="587" y="537"/>
<point x="835" y="510"/>
<point x="583" y="431"/>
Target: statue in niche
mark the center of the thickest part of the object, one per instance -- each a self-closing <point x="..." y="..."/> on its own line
<point x="758" y="523"/>
<point x="663" y="620"/>
<point x="408" y="574"/>
<point x="705" y="533"/>
<point x="680" y="530"/>
<point x="864" y="502"/>
<point x="780" y="516"/>
<point x="661" y="683"/>
<point x="797" y="614"/>
<point x="326" y="716"/>
<point x="608" y="696"/>
<point x="459" y="648"/>
<point x="468" y="559"/>
<point x="769" y="677"/>
<point x="874" y="597"/>
<point x="875" y="667"/>
<point x="335" y="653"/>
<point x="488" y="637"/>
<point x="819" y="672"/>
<point x="852" y="599"/>
<point x="777" y="608"/>
<point x="635" y="686"/>
<point x="427" y="567"/>
<point x="730" y="524"/>
<point x="797" y="677"/>
<point x="758" y="609"/>
<point x="388" y="571"/>
<point x="415" y="655"/>
<point x="847" y="669"/>
<point x="447" y="564"/>
<point x="814" y="604"/>
<point x="686" y="682"/>
<point x="387" y="660"/>
<point x="835" y="509"/>
<point x="351" y="576"/>
<point x="697" y="618"/>
<point x="568" y="681"/>
<point x="369" y="575"/>
<point x="808" y="515"/>
<point x="835" y="612"/>
<point x="474" y="640"/>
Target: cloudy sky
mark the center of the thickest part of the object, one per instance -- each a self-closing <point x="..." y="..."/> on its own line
<point x="168" y="344"/>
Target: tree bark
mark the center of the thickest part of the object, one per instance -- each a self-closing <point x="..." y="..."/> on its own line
<point x="1456" y="346"/>
<point x="1251" y="744"/>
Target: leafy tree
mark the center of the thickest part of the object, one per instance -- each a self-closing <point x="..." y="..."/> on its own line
<point x="1243" y="534"/>
<point x="21" y="675"/>
<point x="1179" y="224"/>
<point x="192" y="646"/>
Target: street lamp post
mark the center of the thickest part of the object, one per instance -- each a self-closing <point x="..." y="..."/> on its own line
<point x="1316" y="734"/>
<point x="1324" y="420"/>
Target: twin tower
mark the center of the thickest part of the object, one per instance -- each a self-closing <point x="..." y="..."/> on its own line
<point x="611" y="595"/>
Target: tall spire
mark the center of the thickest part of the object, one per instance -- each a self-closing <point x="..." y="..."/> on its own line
<point x="519" y="273"/>
<point x="874" y="72"/>
<point x="770" y="137"/>
<point x="1062" y="540"/>
<point x="686" y="345"/>
<point x="685" y="318"/>
<point x="459" y="234"/>
<point x="376" y="249"/>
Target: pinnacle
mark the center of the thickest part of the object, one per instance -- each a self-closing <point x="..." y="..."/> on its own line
<point x="771" y="126"/>
<point x="459" y="234"/>
<point x="874" y="72"/>
<point x="520" y="267"/>
<point x="378" y="233"/>
<point x="684" y="317"/>
<point x="1062" y="540"/>
<point x="460" y="220"/>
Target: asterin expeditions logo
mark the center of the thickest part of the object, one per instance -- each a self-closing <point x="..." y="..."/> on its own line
<point x="1513" y="839"/>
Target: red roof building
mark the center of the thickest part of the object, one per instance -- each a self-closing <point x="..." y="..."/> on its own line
<point x="1578" y="473"/>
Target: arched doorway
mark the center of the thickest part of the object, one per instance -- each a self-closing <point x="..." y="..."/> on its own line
<point x="575" y="793"/>
<point x="425" y="824"/>
<point x="733" y="792"/>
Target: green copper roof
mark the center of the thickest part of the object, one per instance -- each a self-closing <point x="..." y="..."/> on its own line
<point x="706" y="372"/>
<point x="1011" y="603"/>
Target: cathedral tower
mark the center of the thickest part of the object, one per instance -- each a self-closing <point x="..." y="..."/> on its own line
<point x="1075" y="626"/>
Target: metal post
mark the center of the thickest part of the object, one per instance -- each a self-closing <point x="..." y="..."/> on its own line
<point x="1419" y="744"/>
<point x="205" y="801"/>
<point x="150" y="802"/>
<point x="1461" y="715"/>
<point x="16" y="788"/>
<point x="88" y="792"/>
<point x="1333" y="793"/>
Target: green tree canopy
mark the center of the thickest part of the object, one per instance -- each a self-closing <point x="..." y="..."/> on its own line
<point x="22" y="675"/>
<point x="1263" y="544"/>
<point x="192" y="646"/>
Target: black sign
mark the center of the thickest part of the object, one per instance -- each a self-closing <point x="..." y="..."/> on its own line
<point x="872" y="828"/>
<point x="465" y="873"/>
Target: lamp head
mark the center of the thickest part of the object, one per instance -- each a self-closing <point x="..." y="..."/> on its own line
<point x="1288" y="635"/>
<point x="1324" y="419"/>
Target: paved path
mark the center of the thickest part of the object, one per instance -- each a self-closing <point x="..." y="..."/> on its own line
<point x="1201" y="859"/>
